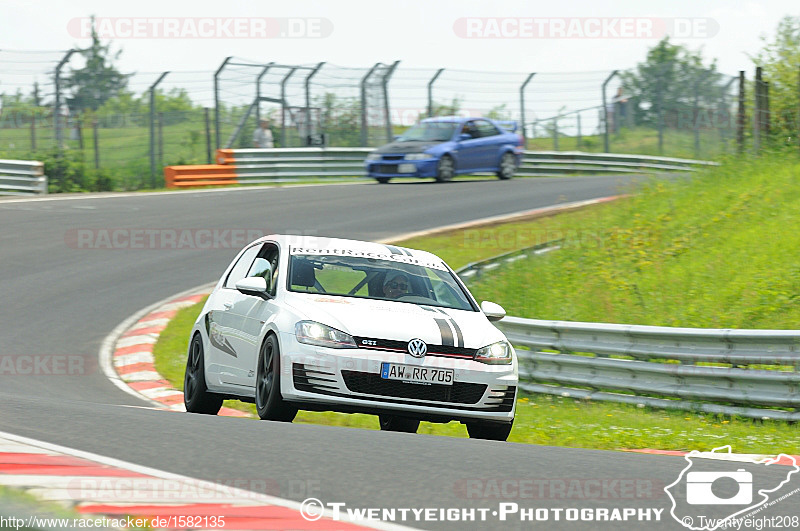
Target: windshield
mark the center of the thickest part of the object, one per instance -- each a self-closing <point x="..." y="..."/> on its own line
<point x="429" y="132"/>
<point x="373" y="278"/>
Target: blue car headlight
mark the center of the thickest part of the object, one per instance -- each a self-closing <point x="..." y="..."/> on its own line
<point x="373" y="157"/>
<point x="419" y="156"/>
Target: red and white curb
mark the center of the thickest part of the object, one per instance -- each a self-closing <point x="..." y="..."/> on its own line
<point x="782" y="459"/>
<point x="95" y="485"/>
<point x="130" y="357"/>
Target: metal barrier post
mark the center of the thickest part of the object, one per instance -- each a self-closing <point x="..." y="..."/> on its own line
<point x="740" y="115"/>
<point x="283" y="105"/>
<point x="757" y="112"/>
<point x="386" y="113"/>
<point x="363" y="86"/>
<point x="258" y="92"/>
<point x="579" y="140"/>
<point x="308" y="98"/>
<point x="522" y="108"/>
<point x="430" y="91"/>
<point x="606" y="146"/>
<point x="216" y="100"/>
<point x="152" y="91"/>
<point x="57" y="104"/>
<point x="208" y="136"/>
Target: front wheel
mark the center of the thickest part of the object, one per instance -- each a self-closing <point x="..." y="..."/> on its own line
<point x="507" y="167"/>
<point x="382" y="180"/>
<point x="492" y="431"/>
<point x="196" y="396"/>
<point x="446" y="169"/>
<point x="269" y="402"/>
<point x="402" y="424"/>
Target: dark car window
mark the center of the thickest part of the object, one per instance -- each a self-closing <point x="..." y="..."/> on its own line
<point x="242" y="266"/>
<point x="429" y="132"/>
<point x="266" y="265"/>
<point x="470" y="128"/>
<point x="486" y="128"/>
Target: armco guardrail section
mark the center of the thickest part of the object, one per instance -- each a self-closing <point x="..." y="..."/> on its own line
<point x="275" y="165"/>
<point x="22" y="177"/>
<point x="681" y="364"/>
<point x="678" y="368"/>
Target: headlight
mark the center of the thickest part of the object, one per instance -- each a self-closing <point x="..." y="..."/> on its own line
<point x="495" y="354"/>
<point x="419" y="156"/>
<point x="374" y="156"/>
<point x="318" y="334"/>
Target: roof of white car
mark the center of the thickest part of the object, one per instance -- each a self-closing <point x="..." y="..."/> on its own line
<point x="319" y="244"/>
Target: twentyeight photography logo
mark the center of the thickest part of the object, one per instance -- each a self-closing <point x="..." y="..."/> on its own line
<point x="720" y="489"/>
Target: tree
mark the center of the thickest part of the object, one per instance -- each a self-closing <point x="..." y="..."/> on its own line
<point x="780" y="59"/>
<point x="665" y="83"/>
<point x="98" y="80"/>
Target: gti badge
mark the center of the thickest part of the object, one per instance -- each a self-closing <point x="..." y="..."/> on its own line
<point x="417" y="348"/>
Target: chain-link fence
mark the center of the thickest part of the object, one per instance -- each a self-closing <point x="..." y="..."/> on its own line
<point x="182" y="117"/>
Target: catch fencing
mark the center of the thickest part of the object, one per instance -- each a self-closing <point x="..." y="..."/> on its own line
<point x="22" y="177"/>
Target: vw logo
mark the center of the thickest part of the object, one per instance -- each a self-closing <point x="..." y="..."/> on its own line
<point x="417" y="348"/>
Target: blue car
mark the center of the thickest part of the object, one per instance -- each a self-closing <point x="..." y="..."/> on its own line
<point x="443" y="147"/>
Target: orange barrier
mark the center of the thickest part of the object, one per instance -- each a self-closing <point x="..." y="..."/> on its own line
<point x="199" y="175"/>
<point x="225" y="156"/>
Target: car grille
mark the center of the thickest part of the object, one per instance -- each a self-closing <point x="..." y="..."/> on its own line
<point x="402" y="346"/>
<point x="313" y="380"/>
<point x="373" y="384"/>
<point x="387" y="168"/>
<point x="393" y="157"/>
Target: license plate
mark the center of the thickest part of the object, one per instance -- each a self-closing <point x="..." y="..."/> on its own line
<point x="406" y="168"/>
<point x="418" y="375"/>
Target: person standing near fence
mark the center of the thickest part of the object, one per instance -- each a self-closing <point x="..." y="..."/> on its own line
<point x="262" y="136"/>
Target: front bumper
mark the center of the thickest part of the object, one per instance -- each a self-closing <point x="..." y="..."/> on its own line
<point x="390" y="168"/>
<point x="349" y="380"/>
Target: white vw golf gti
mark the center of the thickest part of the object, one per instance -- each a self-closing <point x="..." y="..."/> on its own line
<point x="327" y="324"/>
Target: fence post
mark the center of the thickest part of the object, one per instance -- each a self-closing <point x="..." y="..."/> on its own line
<point x="695" y="113"/>
<point x="580" y="139"/>
<point x="386" y="112"/>
<point x="216" y="100"/>
<point x="57" y="102"/>
<point x="767" y="115"/>
<point x="555" y="133"/>
<point x="258" y="92"/>
<point x="308" y="99"/>
<point x="161" y="140"/>
<point x="96" y="140"/>
<point x="285" y="79"/>
<point x="522" y="108"/>
<point x="208" y="136"/>
<point x="606" y="143"/>
<point x="79" y="128"/>
<point x="363" y="88"/>
<point x="757" y="112"/>
<point x="152" y="128"/>
<point x="797" y="123"/>
<point x="430" y="91"/>
<point x="33" y="131"/>
<point x="741" y="116"/>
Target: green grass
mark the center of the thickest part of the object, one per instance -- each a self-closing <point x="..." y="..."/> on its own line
<point x="712" y="222"/>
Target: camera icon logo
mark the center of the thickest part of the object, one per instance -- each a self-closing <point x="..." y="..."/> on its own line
<point x="699" y="488"/>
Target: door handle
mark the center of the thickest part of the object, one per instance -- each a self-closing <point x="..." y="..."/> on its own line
<point x="228" y="305"/>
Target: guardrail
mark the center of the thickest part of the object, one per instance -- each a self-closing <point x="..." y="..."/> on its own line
<point x="710" y="370"/>
<point x="22" y="177"/>
<point x="683" y="368"/>
<point x="285" y="164"/>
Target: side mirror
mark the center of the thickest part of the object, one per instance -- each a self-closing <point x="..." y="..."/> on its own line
<point x="397" y="137"/>
<point x="257" y="286"/>
<point x="464" y="136"/>
<point x="493" y="311"/>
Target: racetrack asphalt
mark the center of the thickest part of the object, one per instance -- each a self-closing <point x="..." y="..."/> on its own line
<point x="60" y="298"/>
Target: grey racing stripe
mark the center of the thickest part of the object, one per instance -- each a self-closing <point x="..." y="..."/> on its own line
<point x="459" y="335"/>
<point x="447" y="334"/>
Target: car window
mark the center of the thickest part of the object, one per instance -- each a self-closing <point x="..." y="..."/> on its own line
<point x="429" y="132"/>
<point x="471" y="129"/>
<point x="485" y="128"/>
<point x="375" y="278"/>
<point x="242" y="266"/>
<point x="266" y="265"/>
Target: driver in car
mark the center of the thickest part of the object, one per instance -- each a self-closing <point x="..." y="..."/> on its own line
<point x="395" y="285"/>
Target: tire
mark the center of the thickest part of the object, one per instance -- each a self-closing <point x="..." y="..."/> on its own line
<point x="492" y="431"/>
<point x="196" y="396"/>
<point x="269" y="403"/>
<point x="402" y="424"/>
<point x="507" y="167"/>
<point x="382" y="180"/>
<point x="446" y="169"/>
